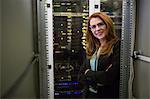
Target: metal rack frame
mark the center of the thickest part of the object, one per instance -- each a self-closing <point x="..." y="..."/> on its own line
<point x="127" y="46"/>
<point x="43" y="74"/>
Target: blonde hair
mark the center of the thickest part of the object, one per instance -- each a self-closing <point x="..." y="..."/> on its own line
<point x="92" y="43"/>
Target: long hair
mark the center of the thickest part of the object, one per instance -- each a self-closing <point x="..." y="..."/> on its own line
<point x="93" y="44"/>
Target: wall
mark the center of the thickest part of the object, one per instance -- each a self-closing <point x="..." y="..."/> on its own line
<point x="18" y="80"/>
<point x="141" y="83"/>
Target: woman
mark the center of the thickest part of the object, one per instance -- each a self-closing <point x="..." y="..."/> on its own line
<point x="100" y="72"/>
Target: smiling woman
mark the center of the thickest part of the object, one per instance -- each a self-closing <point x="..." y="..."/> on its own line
<point x="101" y="71"/>
<point x="103" y="37"/>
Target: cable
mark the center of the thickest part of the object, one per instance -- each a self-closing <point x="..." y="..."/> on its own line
<point x="20" y="78"/>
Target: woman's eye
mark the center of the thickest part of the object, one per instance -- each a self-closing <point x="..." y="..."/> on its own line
<point x="99" y="24"/>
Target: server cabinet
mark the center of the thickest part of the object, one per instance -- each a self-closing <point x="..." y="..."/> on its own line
<point x="63" y="28"/>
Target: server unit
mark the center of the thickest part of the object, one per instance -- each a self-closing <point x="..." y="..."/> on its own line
<point x="69" y="27"/>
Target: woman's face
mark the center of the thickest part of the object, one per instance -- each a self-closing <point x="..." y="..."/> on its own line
<point x="98" y="28"/>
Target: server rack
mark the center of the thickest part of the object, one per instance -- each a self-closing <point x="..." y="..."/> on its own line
<point x="62" y="38"/>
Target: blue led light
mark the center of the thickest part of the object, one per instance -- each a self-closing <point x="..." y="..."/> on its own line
<point x="77" y="93"/>
<point x="68" y="93"/>
<point x="68" y="83"/>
